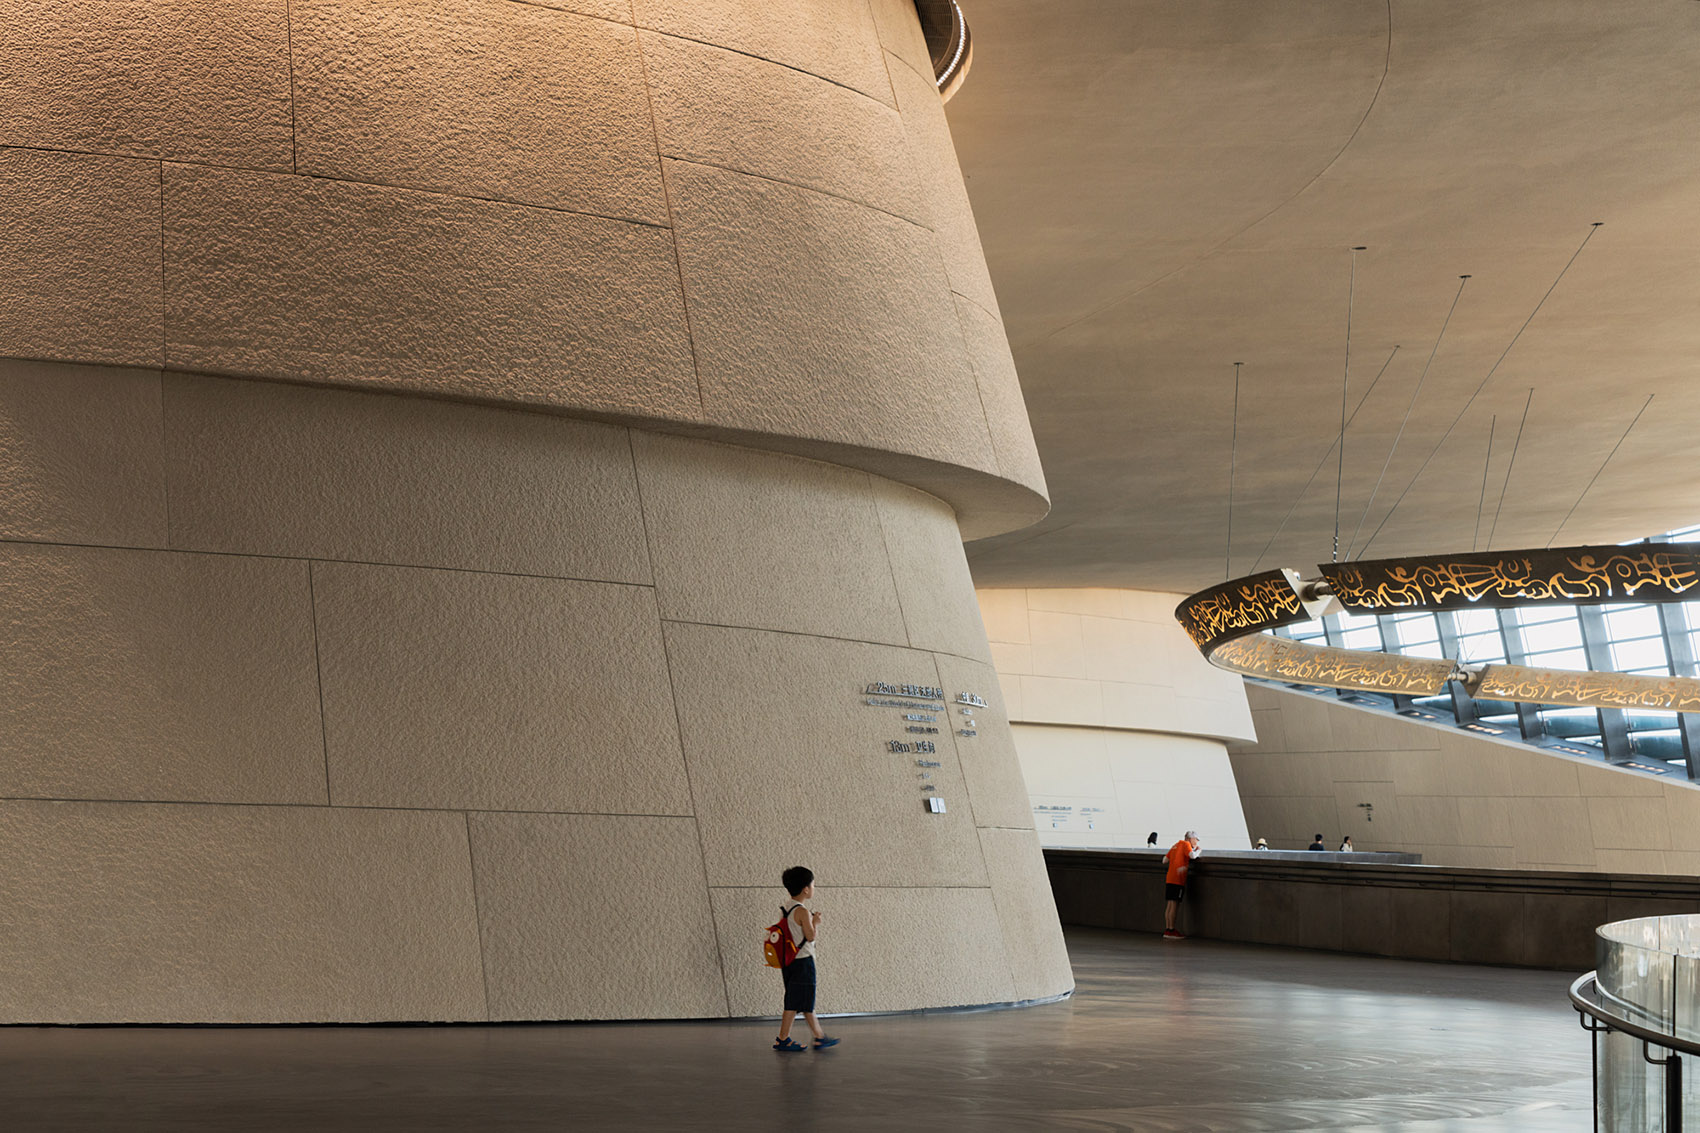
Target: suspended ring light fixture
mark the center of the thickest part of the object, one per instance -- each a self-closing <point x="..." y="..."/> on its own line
<point x="1227" y="622"/>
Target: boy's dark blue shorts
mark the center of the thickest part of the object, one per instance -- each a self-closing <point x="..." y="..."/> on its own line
<point x="800" y="984"/>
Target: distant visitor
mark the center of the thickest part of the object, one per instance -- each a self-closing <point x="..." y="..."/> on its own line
<point x="1152" y="840"/>
<point x="1346" y="845"/>
<point x="1316" y="844"/>
<point x="1179" y="857"/>
<point x="1262" y="844"/>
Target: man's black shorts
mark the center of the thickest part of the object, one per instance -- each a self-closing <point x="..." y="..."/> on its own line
<point x="1174" y="892"/>
<point x="799" y="984"/>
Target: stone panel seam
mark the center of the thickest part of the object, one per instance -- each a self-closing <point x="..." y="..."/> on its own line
<point x="967" y="791"/>
<point x="477" y="911"/>
<point x="979" y="388"/>
<point x="629" y="22"/>
<point x="164" y="331"/>
<point x="993" y="315"/>
<point x="864" y="887"/>
<point x="673" y="695"/>
<point x="164" y="458"/>
<point x="673" y="225"/>
<point x="294" y="132"/>
<point x="891" y="568"/>
<point x="869" y="205"/>
<point x="998" y="911"/>
<point x="308" y="559"/>
<point x="696" y="822"/>
<point x="319" y="685"/>
<point x="508" y="201"/>
<point x="826" y="637"/>
<point x="333" y="806"/>
<point x="933" y="79"/>
<point x="765" y="59"/>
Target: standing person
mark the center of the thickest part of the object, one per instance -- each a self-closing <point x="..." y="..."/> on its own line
<point x="1152" y="840"/>
<point x="800" y="972"/>
<point x="1179" y="857"/>
<point x="1316" y="844"/>
<point x="1346" y="845"/>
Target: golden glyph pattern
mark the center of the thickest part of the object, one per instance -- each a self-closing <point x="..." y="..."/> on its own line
<point x="1219" y="619"/>
<point x="1276" y="658"/>
<point x="1238" y="607"/>
<point x="1648" y="572"/>
<point x="1586" y="689"/>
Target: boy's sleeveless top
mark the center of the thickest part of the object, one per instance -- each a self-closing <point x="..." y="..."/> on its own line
<point x="804" y="947"/>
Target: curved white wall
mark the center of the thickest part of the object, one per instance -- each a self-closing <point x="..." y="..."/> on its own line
<point x="1120" y="723"/>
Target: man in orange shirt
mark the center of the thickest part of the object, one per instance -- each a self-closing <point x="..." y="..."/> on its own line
<point x="1179" y="857"/>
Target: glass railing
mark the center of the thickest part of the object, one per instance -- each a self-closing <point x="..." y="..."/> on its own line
<point x="1643" y="1005"/>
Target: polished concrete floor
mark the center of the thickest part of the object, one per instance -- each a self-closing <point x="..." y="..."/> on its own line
<point x="1190" y="1035"/>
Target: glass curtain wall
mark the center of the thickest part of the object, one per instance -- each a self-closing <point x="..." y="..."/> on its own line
<point x="1625" y="637"/>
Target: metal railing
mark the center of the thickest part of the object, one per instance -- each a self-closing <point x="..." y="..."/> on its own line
<point x="1644" y="996"/>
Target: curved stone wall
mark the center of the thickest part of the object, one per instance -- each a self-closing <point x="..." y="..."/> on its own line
<point x="710" y="217"/>
<point x="325" y="705"/>
<point x="461" y="464"/>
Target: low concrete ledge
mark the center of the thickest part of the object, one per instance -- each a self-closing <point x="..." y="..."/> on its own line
<point x="1364" y="904"/>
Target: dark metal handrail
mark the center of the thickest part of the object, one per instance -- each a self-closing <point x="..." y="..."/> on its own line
<point x="1589" y="1000"/>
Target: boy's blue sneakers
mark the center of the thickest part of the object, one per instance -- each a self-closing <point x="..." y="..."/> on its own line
<point x="789" y="1045"/>
<point x="823" y="1043"/>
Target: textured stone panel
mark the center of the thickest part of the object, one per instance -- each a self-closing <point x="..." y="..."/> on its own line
<point x="930" y="571"/>
<point x="1001" y="399"/>
<point x="1551" y="831"/>
<point x="727" y="109"/>
<point x="779" y="741"/>
<point x="617" y="10"/>
<point x="265" y="468"/>
<point x="141" y="913"/>
<point x="900" y="33"/>
<point x="991" y="770"/>
<point x="1629" y="823"/>
<point x="481" y="99"/>
<point x="1032" y="938"/>
<point x="553" y="891"/>
<point x="179" y="79"/>
<point x="941" y="181"/>
<point x="1059" y="647"/>
<point x="1609" y="781"/>
<point x="1005" y="615"/>
<point x="1059" y="700"/>
<point x="814" y="316"/>
<point x="154" y="675"/>
<point x="828" y="38"/>
<point x="80" y="457"/>
<point x="337" y="282"/>
<point x="1682" y="812"/>
<point x="492" y="692"/>
<point x="879" y="950"/>
<point x="79" y="257"/>
<point x="721" y="517"/>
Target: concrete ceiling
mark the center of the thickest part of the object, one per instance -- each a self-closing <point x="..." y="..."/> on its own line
<point x="1164" y="189"/>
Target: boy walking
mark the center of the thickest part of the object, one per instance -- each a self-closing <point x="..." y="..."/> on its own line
<point x="799" y="974"/>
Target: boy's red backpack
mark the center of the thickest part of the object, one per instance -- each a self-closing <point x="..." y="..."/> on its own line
<point x="778" y="945"/>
